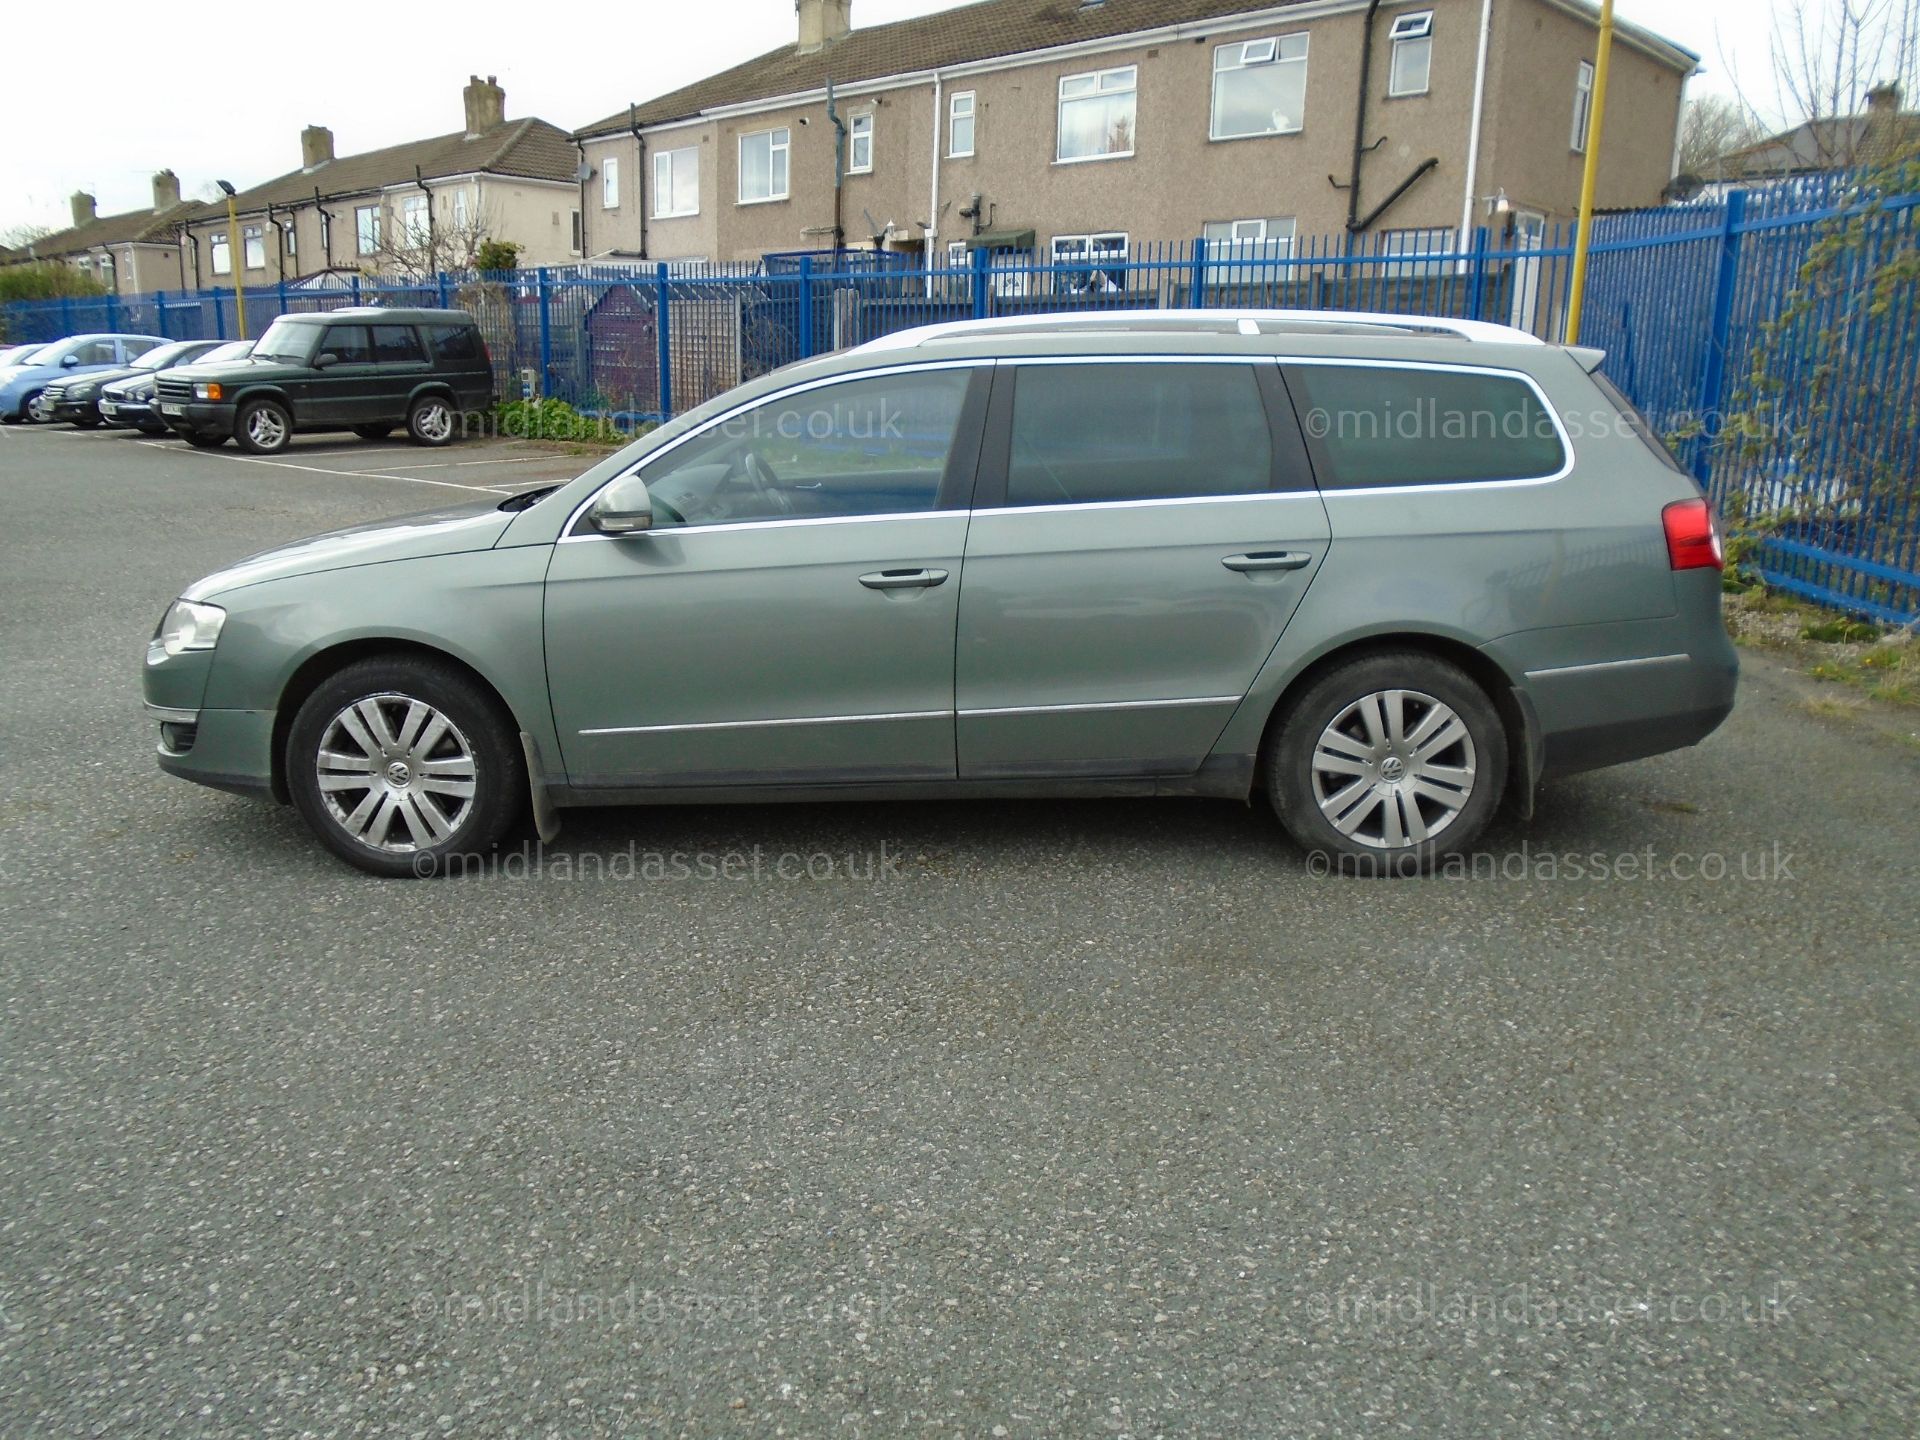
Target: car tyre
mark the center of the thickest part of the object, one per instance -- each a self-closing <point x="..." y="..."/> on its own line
<point x="405" y="767"/>
<point x="205" y="442"/>
<point x="431" y="420"/>
<point x="1387" y="764"/>
<point x="263" y="427"/>
<point x="88" y="422"/>
<point x="373" y="432"/>
<point x="33" y="409"/>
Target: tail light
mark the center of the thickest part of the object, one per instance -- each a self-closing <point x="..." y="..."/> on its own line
<point x="1693" y="540"/>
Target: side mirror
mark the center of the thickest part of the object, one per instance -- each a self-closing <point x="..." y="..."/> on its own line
<point x="623" y="508"/>
<point x="69" y="361"/>
<point x="324" y="359"/>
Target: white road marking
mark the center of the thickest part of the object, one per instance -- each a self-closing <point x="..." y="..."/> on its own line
<point x="348" y="474"/>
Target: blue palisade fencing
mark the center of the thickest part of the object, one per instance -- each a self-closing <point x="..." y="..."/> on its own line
<point x="1690" y="303"/>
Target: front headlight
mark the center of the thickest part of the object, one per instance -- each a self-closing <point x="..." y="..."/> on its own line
<point x="208" y="391"/>
<point x="187" y="625"/>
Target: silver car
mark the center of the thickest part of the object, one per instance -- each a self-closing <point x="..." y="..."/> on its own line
<point x="1388" y="573"/>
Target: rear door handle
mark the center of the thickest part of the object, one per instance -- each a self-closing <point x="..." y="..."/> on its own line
<point x="1269" y="560"/>
<point x="903" y="579"/>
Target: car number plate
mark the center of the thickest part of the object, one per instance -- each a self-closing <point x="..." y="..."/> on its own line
<point x="173" y="409"/>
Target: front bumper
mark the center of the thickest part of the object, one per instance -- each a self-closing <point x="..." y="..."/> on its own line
<point x="129" y="412"/>
<point x="226" y="749"/>
<point x="71" y="410"/>
<point x="197" y="417"/>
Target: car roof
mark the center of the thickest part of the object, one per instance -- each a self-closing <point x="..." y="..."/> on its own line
<point x="402" y="315"/>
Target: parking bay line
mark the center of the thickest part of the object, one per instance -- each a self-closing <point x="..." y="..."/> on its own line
<point x="348" y="474"/>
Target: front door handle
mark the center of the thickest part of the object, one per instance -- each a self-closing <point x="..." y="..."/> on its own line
<point x="903" y="579"/>
<point x="1269" y="560"/>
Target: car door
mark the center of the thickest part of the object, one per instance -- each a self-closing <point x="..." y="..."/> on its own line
<point x="1144" y="532"/>
<point x="344" y="391"/>
<point x="789" y="617"/>
<point x="400" y="363"/>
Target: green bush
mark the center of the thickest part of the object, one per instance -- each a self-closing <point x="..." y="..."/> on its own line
<point x="556" y="420"/>
<point x="45" y="280"/>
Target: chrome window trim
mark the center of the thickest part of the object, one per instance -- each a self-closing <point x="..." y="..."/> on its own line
<point x="1100" y="705"/>
<point x="844" y="377"/>
<point x="1594" y="665"/>
<point x="762" y="724"/>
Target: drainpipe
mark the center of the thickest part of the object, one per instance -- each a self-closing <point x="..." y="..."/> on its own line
<point x="839" y="167"/>
<point x="279" y="245"/>
<point x="1479" y="112"/>
<point x="633" y="125"/>
<point x="1360" y="120"/>
<point x="180" y="237"/>
<point x="933" y="198"/>
<point x="433" y="257"/>
<point x="326" y="226"/>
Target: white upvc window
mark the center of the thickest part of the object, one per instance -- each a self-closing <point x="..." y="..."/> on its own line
<point x="1582" y="104"/>
<point x="253" y="244"/>
<point x="1413" y="243"/>
<point x="579" y="232"/>
<point x="960" y="117"/>
<point x="219" y="253"/>
<point x="414" y="222"/>
<point x="291" y="232"/>
<point x="366" y="229"/>
<point x="763" y="165"/>
<point x="860" y="144"/>
<point x="462" y="208"/>
<point x="610" y="183"/>
<point x="1097" y="112"/>
<point x="676" y="182"/>
<point x="1259" y="87"/>
<point x="1092" y="250"/>
<point x="1264" y="238"/>
<point x="1412" y="67"/>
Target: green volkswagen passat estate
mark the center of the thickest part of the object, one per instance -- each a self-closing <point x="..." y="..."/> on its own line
<point x="1388" y="573"/>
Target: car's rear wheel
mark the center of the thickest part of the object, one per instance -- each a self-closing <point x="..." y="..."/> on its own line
<point x="373" y="432"/>
<point x="35" y="410"/>
<point x="1388" y="763"/>
<point x="201" y="441"/>
<point x="403" y="765"/>
<point x="263" y="427"/>
<point x="87" y="422"/>
<point x="430" y="421"/>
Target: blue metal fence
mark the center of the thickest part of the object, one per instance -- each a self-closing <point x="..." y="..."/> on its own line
<point x="1703" y="309"/>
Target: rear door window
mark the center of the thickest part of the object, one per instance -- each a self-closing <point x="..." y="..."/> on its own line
<point x="396" y="345"/>
<point x="1093" y="433"/>
<point x="455" y="342"/>
<point x="1375" y="426"/>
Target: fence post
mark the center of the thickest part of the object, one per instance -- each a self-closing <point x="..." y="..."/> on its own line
<point x="1198" y="296"/>
<point x="1477" y="295"/>
<point x="66" y="315"/>
<point x="446" y="293"/>
<point x="160" y="313"/>
<point x="1719" y="333"/>
<point x="982" y="262"/>
<point x="113" y="314"/>
<point x="356" y="289"/>
<point x="662" y="309"/>
<point x="543" y="284"/>
<point x="805" y="321"/>
<point x="219" y="318"/>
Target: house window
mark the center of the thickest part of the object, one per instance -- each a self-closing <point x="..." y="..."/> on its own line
<point x="860" y="145"/>
<point x="291" y="235"/>
<point x="1412" y="54"/>
<point x="1090" y="250"/>
<point x="253" y="244"/>
<point x="763" y="165"/>
<point x="414" y="220"/>
<point x="106" y="270"/>
<point x="1097" y="113"/>
<point x="222" y="257"/>
<point x="366" y="229"/>
<point x="1437" y="242"/>
<point x="86" y="265"/>
<point x="676" y="182"/>
<point x="960" y="124"/>
<point x="1582" y="104"/>
<point x="610" y="183"/>
<point x="1259" y="87"/>
<point x="1270" y="238"/>
<point x="462" y="209"/>
<point x="326" y="234"/>
<point x="579" y="233"/>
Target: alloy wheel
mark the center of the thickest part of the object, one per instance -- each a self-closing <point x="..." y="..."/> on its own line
<point x="1393" y="769"/>
<point x="395" y="773"/>
<point x="266" y="429"/>
<point x="39" y="408"/>
<point x="433" y="421"/>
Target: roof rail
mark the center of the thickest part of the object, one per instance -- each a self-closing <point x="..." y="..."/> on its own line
<point x="1248" y="322"/>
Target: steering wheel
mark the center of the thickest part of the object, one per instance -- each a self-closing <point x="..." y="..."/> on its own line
<point x="766" y="485"/>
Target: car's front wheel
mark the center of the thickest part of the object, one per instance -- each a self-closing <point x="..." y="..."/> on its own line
<point x="430" y="421"/>
<point x="263" y="427"/>
<point x="1388" y="763"/>
<point x="404" y="766"/>
<point x="35" y="410"/>
<point x="201" y="441"/>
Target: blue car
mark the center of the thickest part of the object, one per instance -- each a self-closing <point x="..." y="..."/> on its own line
<point x="23" y="387"/>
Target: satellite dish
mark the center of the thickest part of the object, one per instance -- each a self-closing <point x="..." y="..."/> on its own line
<point x="584" y="173"/>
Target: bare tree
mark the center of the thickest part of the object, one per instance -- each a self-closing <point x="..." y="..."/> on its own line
<point x="1713" y="127"/>
<point x="419" y="251"/>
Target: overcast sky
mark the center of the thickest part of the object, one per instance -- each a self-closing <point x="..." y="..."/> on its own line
<point x="100" y="105"/>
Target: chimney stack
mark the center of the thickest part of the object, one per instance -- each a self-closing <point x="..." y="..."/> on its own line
<point x="316" y="147"/>
<point x="486" y="105"/>
<point x="166" y="191"/>
<point x="1884" y="99"/>
<point x="822" y="22"/>
<point x="83" y="211"/>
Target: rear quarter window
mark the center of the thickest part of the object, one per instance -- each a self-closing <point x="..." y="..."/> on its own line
<point x="455" y="342"/>
<point x="1373" y="426"/>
